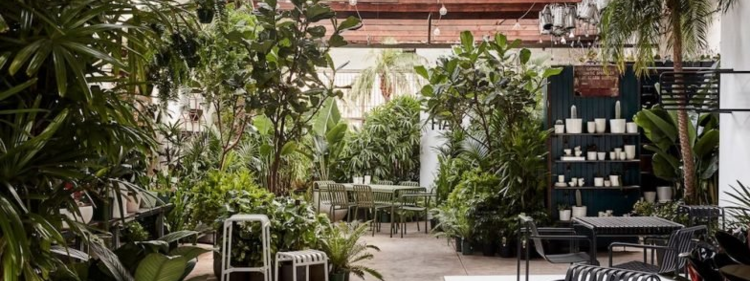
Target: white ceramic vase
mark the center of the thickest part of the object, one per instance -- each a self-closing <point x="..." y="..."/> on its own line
<point x="591" y="127"/>
<point x="617" y="126"/>
<point x="87" y="213"/>
<point x="631" y="127"/>
<point x="664" y="193"/>
<point x="601" y="125"/>
<point x="598" y="182"/>
<point x="367" y="179"/>
<point x="650" y="196"/>
<point x="579" y="212"/>
<point x="591" y="155"/>
<point x="565" y="215"/>
<point x="574" y="126"/>
<point x="630" y="152"/>
<point x="559" y="129"/>
<point x="615" y="180"/>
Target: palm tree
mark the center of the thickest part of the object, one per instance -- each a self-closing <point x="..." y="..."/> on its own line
<point x="393" y="68"/>
<point x="682" y="23"/>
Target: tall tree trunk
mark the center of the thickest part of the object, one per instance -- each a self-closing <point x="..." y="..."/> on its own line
<point x="686" y="151"/>
<point x="384" y="89"/>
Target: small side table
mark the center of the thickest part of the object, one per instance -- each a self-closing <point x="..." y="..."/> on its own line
<point x="226" y="246"/>
<point x="304" y="258"/>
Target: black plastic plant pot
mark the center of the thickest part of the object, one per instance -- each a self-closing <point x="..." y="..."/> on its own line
<point x="488" y="249"/>
<point x="339" y="276"/>
<point x="507" y="250"/>
<point x="434" y="223"/>
<point x="466" y="248"/>
<point x="205" y="15"/>
<point x="457" y="241"/>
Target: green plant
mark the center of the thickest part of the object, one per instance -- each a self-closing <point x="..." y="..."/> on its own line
<point x="159" y="259"/>
<point x="563" y="206"/>
<point x="663" y="210"/>
<point x="133" y="231"/>
<point x="739" y="211"/>
<point x="684" y="24"/>
<point x="341" y="242"/>
<point x="325" y="147"/>
<point x="387" y="146"/>
<point x="61" y="132"/>
<point x="393" y="69"/>
<point x="289" y="50"/>
<point x="660" y="127"/>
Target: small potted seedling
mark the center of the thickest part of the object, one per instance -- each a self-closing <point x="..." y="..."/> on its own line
<point x="559" y="127"/>
<point x="564" y="211"/>
<point x="617" y="125"/>
<point x="573" y="124"/>
<point x="579" y="210"/>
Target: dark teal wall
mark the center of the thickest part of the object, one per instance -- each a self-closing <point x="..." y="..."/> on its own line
<point x="559" y="99"/>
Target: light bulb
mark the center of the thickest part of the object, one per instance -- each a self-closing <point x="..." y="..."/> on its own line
<point x="563" y="40"/>
<point x="353" y="2"/>
<point x="540" y="41"/>
<point x="443" y="10"/>
<point x="436" y="32"/>
<point x="517" y="26"/>
<point x="309" y="2"/>
<point x="571" y="35"/>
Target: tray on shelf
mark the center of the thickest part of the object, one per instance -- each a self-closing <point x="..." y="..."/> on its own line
<point x="598" y="161"/>
<point x="598" y="187"/>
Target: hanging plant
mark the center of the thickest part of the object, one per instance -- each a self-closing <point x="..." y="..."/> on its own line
<point x="206" y="10"/>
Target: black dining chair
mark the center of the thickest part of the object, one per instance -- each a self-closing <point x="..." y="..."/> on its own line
<point x="680" y="241"/>
<point x="529" y="231"/>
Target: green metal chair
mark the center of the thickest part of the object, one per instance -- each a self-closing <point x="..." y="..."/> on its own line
<point x="366" y="200"/>
<point x="339" y="200"/>
<point x="408" y="183"/>
<point x="410" y="203"/>
<point x="321" y="188"/>
<point x="383" y="182"/>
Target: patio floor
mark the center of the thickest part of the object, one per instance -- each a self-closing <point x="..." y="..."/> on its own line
<point x="422" y="257"/>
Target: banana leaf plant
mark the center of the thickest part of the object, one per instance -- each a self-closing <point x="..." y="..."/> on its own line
<point x="161" y="259"/>
<point x="660" y="127"/>
<point x="327" y="142"/>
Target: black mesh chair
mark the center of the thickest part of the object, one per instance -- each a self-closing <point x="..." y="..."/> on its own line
<point x="529" y="231"/>
<point x="703" y="215"/>
<point x="583" y="272"/>
<point x="680" y="241"/>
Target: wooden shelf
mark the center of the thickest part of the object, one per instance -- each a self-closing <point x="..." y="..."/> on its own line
<point x="597" y="187"/>
<point x="596" y="134"/>
<point x="599" y="161"/>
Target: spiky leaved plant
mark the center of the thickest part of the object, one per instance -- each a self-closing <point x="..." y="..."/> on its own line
<point x="341" y="244"/>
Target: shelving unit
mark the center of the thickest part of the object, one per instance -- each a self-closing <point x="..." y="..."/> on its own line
<point x="560" y="96"/>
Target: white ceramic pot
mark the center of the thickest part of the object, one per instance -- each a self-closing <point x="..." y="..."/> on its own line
<point x="602" y="156"/>
<point x="631" y="127"/>
<point x="607" y="183"/>
<point x="134" y="203"/>
<point x="630" y="152"/>
<point x="591" y="155"/>
<point x="565" y="215"/>
<point x="87" y="213"/>
<point x="574" y="126"/>
<point x="591" y="127"/>
<point x="559" y="129"/>
<point x="664" y="193"/>
<point x="598" y="181"/>
<point x="118" y="210"/>
<point x="613" y="155"/>
<point x="617" y="126"/>
<point x="615" y="180"/>
<point x="601" y="125"/>
<point x="623" y="155"/>
<point x="650" y="196"/>
<point x="560" y="178"/>
<point x="579" y="212"/>
<point x="367" y="179"/>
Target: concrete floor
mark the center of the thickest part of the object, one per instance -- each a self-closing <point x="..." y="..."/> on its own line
<point x="422" y="257"/>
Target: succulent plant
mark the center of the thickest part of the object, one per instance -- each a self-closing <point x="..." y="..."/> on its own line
<point x="573" y="112"/>
<point x="579" y="201"/>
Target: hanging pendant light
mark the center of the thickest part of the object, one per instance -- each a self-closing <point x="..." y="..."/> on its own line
<point x="517" y="26"/>
<point x="558" y="16"/>
<point x="570" y="17"/>
<point x="545" y="17"/>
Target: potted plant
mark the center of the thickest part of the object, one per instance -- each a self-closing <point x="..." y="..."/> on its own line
<point x="564" y="211"/>
<point x="341" y="244"/>
<point x="206" y="10"/>
<point x="579" y="210"/>
<point x="133" y="231"/>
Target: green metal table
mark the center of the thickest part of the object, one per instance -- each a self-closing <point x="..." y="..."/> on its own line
<point x="393" y="190"/>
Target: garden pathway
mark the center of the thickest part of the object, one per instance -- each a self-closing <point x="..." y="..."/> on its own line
<point x="422" y="257"/>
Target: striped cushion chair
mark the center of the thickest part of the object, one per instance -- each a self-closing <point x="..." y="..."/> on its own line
<point x="680" y="241"/>
<point x="584" y="272"/>
<point x="408" y="183"/>
<point x="383" y="182"/>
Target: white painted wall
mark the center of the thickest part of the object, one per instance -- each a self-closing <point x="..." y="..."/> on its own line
<point x="734" y="146"/>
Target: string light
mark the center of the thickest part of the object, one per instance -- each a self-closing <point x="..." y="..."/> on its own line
<point x="562" y="40"/>
<point x="443" y="10"/>
<point x="571" y="35"/>
<point x="353" y="2"/>
<point x="436" y="31"/>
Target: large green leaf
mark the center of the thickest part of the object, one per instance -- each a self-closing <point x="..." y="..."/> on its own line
<point x="663" y="168"/>
<point x="337" y="134"/>
<point x="707" y="143"/>
<point x="467" y="40"/>
<point x="327" y="117"/>
<point x="158" y="267"/>
<point x="189" y="252"/>
<point x="178" y="235"/>
<point x="667" y="128"/>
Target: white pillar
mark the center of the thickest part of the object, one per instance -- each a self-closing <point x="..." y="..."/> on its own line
<point x="428" y="156"/>
<point x="734" y="149"/>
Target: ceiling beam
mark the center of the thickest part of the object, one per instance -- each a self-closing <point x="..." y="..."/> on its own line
<point x="423" y="15"/>
<point x="427" y="7"/>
